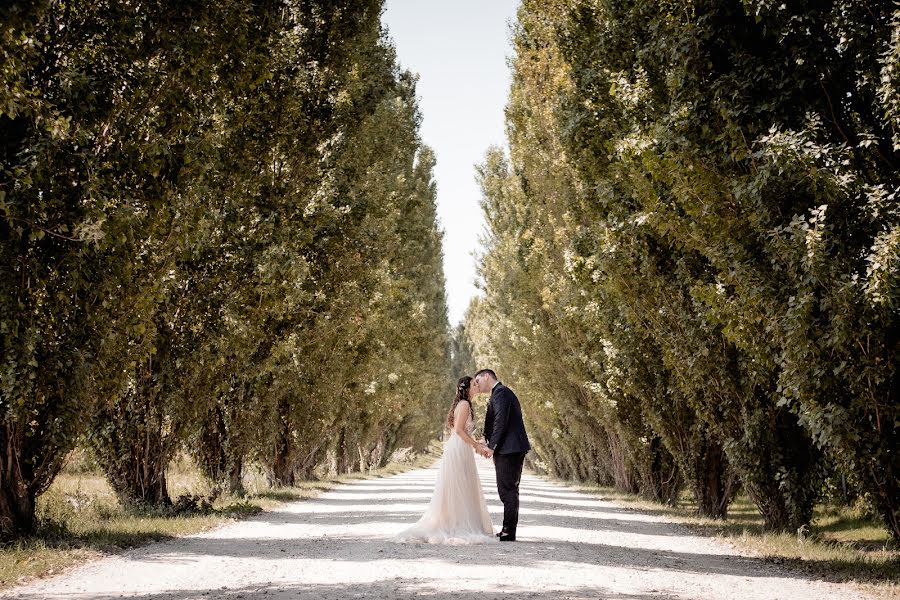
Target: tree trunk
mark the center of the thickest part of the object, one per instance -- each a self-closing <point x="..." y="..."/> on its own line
<point x="892" y="518"/>
<point x="785" y="477"/>
<point x="343" y="456"/>
<point x="209" y="451"/>
<point x="331" y="460"/>
<point x="134" y="445"/>
<point x="17" y="505"/>
<point x="17" y="501"/>
<point x="305" y="468"/>
<point x="771" y="506"/>
<point x="887" y="501"/>
<point x="31" y="459"/>
<point x="620" y="470"/>
<point x="712" y="485"/>
<point x="662" y="478"/>
<point x="378" y="454"/>
<point x="218" y="453"/>
<point x="236" y="477"/>
<point x="138" y="474"/>
<point x="281" y="467"/>
<point x="363" y="458"/>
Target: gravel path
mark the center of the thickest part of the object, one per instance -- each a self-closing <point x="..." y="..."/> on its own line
<point x="571" y="546"/>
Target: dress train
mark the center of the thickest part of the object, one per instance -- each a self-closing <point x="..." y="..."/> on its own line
<point x="457" y="513"/>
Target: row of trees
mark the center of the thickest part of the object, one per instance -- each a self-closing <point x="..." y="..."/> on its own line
<point x="692" y="269"/>
<point x="217" y="231"/>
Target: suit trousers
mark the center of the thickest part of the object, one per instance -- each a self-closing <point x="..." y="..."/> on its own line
<point x="508" y="468"/>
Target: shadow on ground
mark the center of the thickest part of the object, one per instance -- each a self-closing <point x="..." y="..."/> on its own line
<point x="298" y="550"/>
<point x="397" y="589"/>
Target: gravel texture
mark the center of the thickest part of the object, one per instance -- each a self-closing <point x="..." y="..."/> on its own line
<point x="571" y="545"/>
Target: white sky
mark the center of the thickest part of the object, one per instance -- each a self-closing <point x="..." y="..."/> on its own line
<point x="459" y="48"/>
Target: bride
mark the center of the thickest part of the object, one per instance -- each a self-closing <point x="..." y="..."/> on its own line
<point x="457" y="513"/>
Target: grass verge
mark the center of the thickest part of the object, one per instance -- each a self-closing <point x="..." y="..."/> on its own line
<point x="81" y="518"/>
<point x="844" y="544"/>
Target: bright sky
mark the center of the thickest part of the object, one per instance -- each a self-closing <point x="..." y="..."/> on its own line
<point x="460" y="50"/>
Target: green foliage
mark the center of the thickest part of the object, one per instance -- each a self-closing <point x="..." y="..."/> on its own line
<point x="461" y="352"/>
<point x="699" y="223"/>
<point x="217" y="228"/>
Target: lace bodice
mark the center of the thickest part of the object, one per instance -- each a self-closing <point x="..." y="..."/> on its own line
<point x="470" y="425"/>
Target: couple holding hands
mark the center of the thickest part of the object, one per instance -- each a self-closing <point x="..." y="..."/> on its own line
<point x="457" y="513"/>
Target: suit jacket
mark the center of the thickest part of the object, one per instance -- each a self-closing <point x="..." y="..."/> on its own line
<point x="504" y="428"/>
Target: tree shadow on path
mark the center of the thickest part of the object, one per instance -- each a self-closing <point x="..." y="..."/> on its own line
<point x="396" y="589"/>
<point x="339" y="545"/>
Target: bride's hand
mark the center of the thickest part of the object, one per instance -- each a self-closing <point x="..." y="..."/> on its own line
<point x="484" y="451"/>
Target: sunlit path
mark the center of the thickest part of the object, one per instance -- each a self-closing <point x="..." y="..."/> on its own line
<point x="571" y="545"/>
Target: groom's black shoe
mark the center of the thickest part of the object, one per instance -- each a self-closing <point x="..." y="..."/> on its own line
<point x="506" y="537"/>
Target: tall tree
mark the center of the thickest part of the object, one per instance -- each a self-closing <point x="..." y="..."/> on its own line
<point x="208" y="211"/>
<point x="721" y="194"/>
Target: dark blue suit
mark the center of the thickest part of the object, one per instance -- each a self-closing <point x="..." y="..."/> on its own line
<point x="504" y="430"/>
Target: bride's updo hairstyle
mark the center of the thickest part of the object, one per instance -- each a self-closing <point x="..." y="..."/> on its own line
<point x="462" y="393"/>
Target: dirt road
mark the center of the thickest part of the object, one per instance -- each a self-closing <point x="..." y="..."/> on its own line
<point x="571" y="545"/>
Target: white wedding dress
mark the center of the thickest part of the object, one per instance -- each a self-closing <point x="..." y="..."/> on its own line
<point x="457" y="513"/>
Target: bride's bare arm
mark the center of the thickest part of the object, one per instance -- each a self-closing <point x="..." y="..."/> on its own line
<point x="460" y="418"/>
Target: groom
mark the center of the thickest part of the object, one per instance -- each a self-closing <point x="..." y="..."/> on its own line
<point x="507" y="443"/>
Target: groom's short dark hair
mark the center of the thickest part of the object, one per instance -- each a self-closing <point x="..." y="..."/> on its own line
<point x="494" y="375"/>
